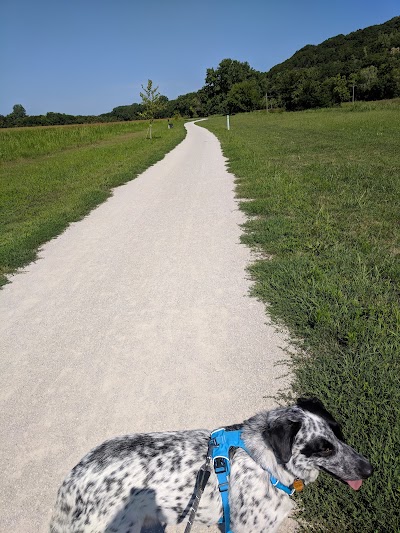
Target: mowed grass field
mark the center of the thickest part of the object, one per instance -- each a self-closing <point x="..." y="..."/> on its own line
<point x="322" y="191"/>
<point x="52" y="176"/>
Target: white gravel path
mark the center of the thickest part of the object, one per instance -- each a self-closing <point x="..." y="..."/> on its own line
<point x="135" y="319"/>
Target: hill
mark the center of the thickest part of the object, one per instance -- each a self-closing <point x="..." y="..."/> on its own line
<point x="345" y="53"/>
<point x="324" y="74"/>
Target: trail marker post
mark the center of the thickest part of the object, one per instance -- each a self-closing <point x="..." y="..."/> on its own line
<point x="228" y="125"/>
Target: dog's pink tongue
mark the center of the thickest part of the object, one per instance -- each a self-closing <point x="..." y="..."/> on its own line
<point x="355" y="484"/>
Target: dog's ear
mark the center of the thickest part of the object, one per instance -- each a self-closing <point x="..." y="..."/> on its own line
<point x="313" y="405"/>
<point x="279" y="435"/>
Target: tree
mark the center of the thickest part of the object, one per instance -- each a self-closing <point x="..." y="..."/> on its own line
<point x="285" y="84"/>
<point x="308" y="92"/>
<point x="16" y="118"/>
<point x="152" y="103"/>
<point x="396" y="81"/>
<point x="340" y="91"/>
<point x="368" y="80"/>
<point x="220" y="81"/>
<point x="352" y="82"/>
<point x="337" y="88"/>
<point x="244" y="96"/>
<point x="18" y="111"/>
<point x="125" y="112"/>
<point x="187" y="105"/>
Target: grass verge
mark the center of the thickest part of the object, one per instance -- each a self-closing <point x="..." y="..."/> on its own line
<point x="322" y="193"/>
<point x="52" y="176"/>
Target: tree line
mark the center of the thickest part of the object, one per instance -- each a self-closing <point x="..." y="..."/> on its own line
<point x="364" y="64"/>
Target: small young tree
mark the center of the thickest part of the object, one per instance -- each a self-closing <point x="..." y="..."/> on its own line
<point x="152" y="103"/>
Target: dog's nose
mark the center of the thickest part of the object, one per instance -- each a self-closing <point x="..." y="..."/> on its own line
<point x="366" y="469"/>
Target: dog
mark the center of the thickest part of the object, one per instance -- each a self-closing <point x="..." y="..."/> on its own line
<point x="132" y="481"/>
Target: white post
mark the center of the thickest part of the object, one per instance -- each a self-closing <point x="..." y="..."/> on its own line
<point x="228" y="126"/>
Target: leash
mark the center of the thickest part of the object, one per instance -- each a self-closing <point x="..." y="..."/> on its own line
<point x="201" y="481"/>
<point x="220" y="443"/>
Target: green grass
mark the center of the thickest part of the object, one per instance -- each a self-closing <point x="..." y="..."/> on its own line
<point x="322" y="192"/>
<point x="52" y="176"/>
<point x="18" y="143"/>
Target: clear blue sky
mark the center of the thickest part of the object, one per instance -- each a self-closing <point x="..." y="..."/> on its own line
<point x="88" y="56"/>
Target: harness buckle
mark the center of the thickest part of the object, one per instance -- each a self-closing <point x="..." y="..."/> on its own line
<point x="223" y="487"/>
<point x="213" y="443"/>
<point x="220" y="466"/>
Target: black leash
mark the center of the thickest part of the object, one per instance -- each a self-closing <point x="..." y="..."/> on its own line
<point x="201" y="481"/>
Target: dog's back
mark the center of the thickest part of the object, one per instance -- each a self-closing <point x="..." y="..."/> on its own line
<point x="127" y="480"/>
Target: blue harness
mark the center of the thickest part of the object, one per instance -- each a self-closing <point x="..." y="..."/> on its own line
<point x="221" y="442"/>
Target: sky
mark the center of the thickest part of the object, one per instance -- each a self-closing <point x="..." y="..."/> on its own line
<point x="89" y="56"/>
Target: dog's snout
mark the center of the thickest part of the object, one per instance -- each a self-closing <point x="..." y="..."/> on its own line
<point x="366" y="469"/>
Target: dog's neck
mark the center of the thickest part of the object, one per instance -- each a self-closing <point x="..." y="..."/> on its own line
<point x="264" y="456"/>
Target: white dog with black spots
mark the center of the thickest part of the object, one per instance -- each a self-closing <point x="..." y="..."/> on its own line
<point x="136" y="480"/>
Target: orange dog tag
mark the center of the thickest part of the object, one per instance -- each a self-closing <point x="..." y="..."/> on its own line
<point x="298" y="485"/>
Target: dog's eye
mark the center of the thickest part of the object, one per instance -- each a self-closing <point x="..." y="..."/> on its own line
<point x="326" y="452"/>
<point x="318" y="448"/>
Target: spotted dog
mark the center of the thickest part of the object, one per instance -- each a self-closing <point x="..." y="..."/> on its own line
<point x="136" y="480"/>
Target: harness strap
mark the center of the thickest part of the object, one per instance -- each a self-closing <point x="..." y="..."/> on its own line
<point x="222" y="441"/>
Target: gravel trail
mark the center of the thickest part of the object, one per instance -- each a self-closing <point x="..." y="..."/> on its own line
<point x="136" y="318"/>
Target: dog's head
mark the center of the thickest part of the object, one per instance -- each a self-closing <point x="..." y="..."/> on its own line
<point x="306" y="438"/>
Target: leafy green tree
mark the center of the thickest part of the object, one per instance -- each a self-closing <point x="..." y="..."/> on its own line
<point x="18" y="111"/>
<point x="16" y="118"/>
<point x="125" y="112"/>
<point x="231" y="71"/>
<point x="337" y="89"/>
<point x="284" y="85"/>
<point x="340" y="91"/>
<point x="152" y="104"/>
<point x="186" y="105"/>
<point x="244" y="96"/>
<point x="219" y="82"/>
<point x="352" y="84"/>
<point x="368" y="80"/>
<point x="308" y="92"/>
<point x="396" y="81"/>
<point x="163" y="111"/>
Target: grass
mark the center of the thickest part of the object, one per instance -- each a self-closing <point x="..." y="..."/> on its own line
<point x="52" y="176"/>
<point x="18" y="143"/>
<point x="322" y="192"/>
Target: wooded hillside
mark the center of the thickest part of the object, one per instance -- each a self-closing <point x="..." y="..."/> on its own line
<point x="322" y="75"/>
